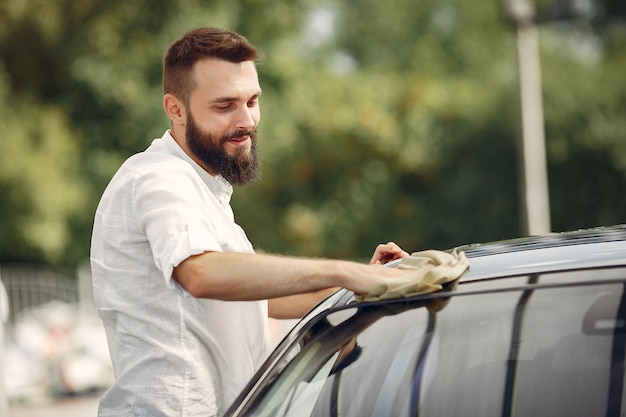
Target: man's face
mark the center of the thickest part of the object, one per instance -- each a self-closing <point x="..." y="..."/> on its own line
<point x="221" y="119"/>
<point x="239" y="167"/>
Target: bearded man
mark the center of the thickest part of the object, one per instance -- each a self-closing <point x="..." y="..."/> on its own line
<point x="183" y="297"/>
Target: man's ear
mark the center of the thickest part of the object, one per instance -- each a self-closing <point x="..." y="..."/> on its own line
<point x="174" y="109"/>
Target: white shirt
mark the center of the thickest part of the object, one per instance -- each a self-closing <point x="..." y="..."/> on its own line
<point x="173" y="354"/>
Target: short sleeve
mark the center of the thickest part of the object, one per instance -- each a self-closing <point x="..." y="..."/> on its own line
<point x="177" y="213"/>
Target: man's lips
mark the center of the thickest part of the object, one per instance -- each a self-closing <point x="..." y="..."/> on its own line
<point x="240" y="141"/>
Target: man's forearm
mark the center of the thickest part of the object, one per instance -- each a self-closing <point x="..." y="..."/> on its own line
<point x="246" y="276"/>
<point x="243" y="276"/>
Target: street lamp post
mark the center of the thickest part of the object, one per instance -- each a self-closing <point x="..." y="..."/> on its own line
<point x="535" y="195"/>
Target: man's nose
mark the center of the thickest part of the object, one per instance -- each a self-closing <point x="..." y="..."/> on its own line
<point x="246" y="118"/>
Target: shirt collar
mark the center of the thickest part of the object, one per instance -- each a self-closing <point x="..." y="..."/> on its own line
<point x="218" y="185"/>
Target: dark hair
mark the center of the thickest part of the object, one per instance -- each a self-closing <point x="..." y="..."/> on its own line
<point x="196" y="45"/>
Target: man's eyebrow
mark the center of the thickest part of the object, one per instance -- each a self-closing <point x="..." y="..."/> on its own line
<point x="228" y="99"/>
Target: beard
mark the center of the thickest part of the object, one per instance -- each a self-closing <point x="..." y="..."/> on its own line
<point x="239" y="169"/>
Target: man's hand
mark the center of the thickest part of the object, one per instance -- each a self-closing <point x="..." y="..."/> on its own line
<point x="387" y="252"/>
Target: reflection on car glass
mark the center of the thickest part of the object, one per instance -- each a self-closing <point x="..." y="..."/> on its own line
<point x="301" y="400"/>
<point x="328" y="350"/>
<point x="538" y="349"/>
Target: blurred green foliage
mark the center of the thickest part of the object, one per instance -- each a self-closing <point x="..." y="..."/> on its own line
<point x="395" y="120"/>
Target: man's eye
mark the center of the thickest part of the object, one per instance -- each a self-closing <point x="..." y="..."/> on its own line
<point x="253" y="103"/>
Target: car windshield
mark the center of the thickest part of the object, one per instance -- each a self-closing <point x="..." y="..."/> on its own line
<point x="541" y="345"/>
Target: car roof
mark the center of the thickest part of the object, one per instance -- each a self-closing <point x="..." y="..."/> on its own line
<point x="581" y="249"/>
<point x="578" y="250"/>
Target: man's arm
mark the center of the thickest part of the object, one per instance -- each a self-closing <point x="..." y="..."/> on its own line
<point x="296" y="306"/>
<point x="245" y="276"/>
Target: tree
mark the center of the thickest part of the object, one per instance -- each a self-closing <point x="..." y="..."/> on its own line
<point x="381" y="121"/>
<point x="412" y="130"/>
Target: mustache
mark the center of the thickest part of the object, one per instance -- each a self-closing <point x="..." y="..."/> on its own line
<point x="239" y="134"/>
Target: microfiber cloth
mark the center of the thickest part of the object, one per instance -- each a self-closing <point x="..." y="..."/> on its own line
<point x="427" y="272"/>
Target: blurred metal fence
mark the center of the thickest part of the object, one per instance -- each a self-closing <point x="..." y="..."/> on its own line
<point x="30" y="286"/>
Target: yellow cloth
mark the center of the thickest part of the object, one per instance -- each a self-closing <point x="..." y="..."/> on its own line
<point x="430" y="270"/>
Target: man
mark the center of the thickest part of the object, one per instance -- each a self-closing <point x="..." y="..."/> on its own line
<point x="182" y="295"/>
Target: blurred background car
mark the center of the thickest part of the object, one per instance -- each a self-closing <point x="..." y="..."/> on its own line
<point x="536" y="327"/>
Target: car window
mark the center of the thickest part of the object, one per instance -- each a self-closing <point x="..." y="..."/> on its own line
<point x="497" y="348"/>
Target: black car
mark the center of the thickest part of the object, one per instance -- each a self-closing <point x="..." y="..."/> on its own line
<point x="536" y="327"/>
